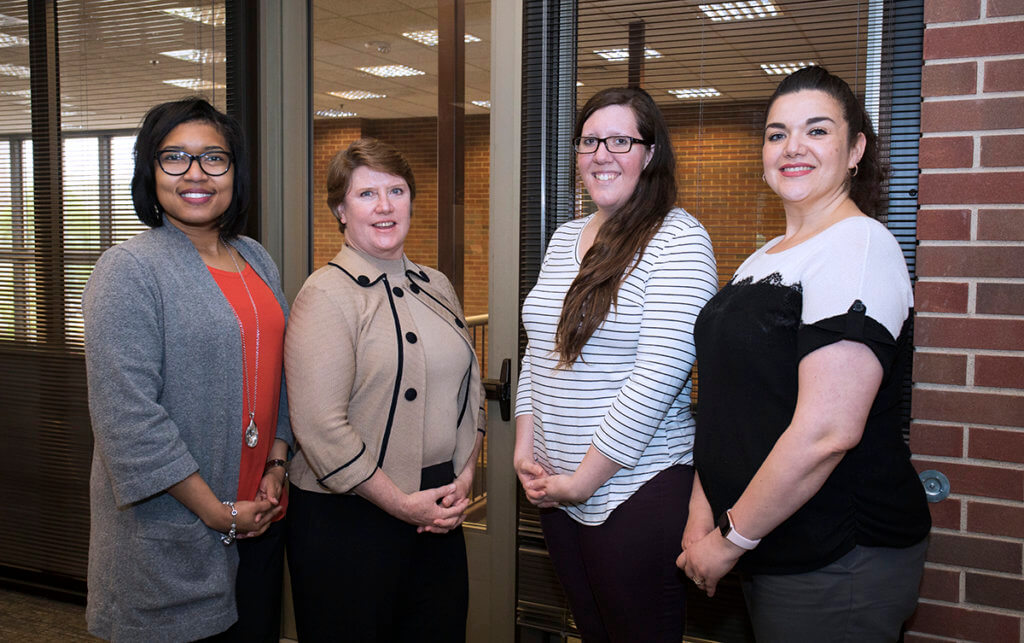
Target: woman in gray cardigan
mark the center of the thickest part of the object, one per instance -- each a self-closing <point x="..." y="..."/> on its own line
<point x="182" y="324"/>
<point x="386" y="405"/>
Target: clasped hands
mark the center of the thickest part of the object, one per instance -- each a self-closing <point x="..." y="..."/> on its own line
<point x="254" y="516"/>
<point x="706" y="555"/>
<point x="546" y="489"/>
<point x="441" y="509"/>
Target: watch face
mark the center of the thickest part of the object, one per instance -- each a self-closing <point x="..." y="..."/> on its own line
<point x="723" y="524"/>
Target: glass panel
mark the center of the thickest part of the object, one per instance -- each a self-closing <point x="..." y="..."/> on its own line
<point x="375" y="73"/>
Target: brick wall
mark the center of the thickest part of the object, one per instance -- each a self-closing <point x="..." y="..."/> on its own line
<point x="718" y="157"/>
<point x="968" y="399"/>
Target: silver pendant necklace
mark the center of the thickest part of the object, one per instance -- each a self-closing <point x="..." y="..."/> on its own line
<point x="252" y="434"/>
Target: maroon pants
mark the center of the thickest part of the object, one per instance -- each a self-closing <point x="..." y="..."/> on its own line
<point x="621" y="577"/>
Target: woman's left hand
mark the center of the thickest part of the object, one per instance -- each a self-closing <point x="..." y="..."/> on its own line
<point x="463" y="487"/>
<point x="557" y="489"/>
<point x="271" y="488"/>
<point x="706" y="561"/>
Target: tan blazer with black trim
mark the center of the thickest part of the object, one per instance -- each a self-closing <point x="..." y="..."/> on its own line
<point x="354" y="365"/>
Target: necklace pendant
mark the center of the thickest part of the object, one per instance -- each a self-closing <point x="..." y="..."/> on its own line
<point x="252" y="436"/>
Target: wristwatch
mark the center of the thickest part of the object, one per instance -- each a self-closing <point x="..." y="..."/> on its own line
<point x="729" y="532"/>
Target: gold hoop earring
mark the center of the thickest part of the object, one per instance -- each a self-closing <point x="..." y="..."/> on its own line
<point x="854" y="170"/>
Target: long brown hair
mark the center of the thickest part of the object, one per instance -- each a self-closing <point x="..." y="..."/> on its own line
<point x="625" y="234"/>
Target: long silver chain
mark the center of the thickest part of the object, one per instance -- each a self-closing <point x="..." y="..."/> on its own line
<point x="245" y="371"/>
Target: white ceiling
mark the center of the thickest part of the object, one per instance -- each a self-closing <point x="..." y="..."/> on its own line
<point x="107" y="45"/>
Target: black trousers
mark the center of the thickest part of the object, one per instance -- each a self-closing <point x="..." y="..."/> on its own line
<point x="360" y="574"/>
<point x="258" y="588"/>
<point x="621" y="577"/>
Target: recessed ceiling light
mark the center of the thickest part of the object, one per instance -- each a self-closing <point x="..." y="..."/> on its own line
<point x="429" y="37"/>
<point x="356" y="94"/>
<point x="620" y="55"/>
<point x="195" y="83"/>
<point x="334" y="113"/>
<point x="213" y="15"/>
<point x="695" y="92"/>
<point x="486" y="104"/>
<point x="780" y="69"/>
<point x="197" y="55"/>
<point x="18" y="71"/>
<point x="391" y="71"/>
<point x="748" y="10"/>
<point x="7" y="40"/>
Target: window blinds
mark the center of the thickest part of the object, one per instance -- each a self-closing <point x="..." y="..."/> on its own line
<point x="76" y="77"/>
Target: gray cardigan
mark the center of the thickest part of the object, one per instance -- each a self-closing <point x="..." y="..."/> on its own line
<point x="163" y="356"/>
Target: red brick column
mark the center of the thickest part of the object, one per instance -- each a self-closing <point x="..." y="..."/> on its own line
<point x="968" y="399"/>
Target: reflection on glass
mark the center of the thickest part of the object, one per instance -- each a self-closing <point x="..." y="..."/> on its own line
<point x="376" y="73"/>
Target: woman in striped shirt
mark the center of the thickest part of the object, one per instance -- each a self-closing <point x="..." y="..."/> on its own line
<point x="604" y="433"/>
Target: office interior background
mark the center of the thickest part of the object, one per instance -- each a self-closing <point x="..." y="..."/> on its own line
<point x="481" y="96"/>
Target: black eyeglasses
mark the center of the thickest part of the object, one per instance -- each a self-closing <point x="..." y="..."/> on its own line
<point x="614" y="144"/>
<point x="176" y="162"/>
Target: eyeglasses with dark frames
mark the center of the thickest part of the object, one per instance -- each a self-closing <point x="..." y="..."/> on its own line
<point x="177" y="162"/>
<point x="614" y="144"/>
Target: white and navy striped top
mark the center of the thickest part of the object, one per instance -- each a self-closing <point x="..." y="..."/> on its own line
<point x="629" y="393"/>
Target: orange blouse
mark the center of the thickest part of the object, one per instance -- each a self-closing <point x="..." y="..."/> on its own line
<point x="268" y="393"/>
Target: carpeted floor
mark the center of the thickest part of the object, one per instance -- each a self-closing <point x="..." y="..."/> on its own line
<point x="26" y="617"/>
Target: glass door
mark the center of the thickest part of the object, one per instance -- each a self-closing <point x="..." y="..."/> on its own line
<point x="391" y="71"/>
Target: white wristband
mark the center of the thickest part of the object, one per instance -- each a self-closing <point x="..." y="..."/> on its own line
<point x="729" y="532"/>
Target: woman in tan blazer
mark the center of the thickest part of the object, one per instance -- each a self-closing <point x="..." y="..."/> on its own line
<point x="386" y="406"/>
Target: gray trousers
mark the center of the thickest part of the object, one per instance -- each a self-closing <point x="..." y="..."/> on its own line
<point x="863" y="597"/>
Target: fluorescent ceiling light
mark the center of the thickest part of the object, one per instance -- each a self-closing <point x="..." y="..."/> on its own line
<point x="196" y="55"/>
<point x="334" y="113"/>
<point x="7" y="40"/>
<point x="620" y="55"/>
<point x="18" y="71"/>
<point x="356" y="94"/>
<point x="195" y="83"/>
<point x="214" y="15"/>
<point x="391" y="71"/>
<point x="781" y="69"/>
<point x="486" y="104"/>
<point x="429" y="37"/>
<point x="695" y="92"/>
<point x="749" y="10"/>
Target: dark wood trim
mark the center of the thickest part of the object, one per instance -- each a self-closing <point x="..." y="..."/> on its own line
<point x="47" y="176"/>
<point x="451" y="158"/>
<point x="637" y="50"/>
<point x="243" y="93"/>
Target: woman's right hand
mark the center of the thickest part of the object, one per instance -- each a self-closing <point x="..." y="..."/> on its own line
<point x="700" y="520"/>
<point x="530" y="473"/>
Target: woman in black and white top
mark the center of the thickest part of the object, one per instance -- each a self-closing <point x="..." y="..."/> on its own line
<point x="802" y="354"/>
<point x="604" y="433"/>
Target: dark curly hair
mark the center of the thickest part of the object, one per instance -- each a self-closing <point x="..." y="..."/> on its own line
<point x="866" y="187"/>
